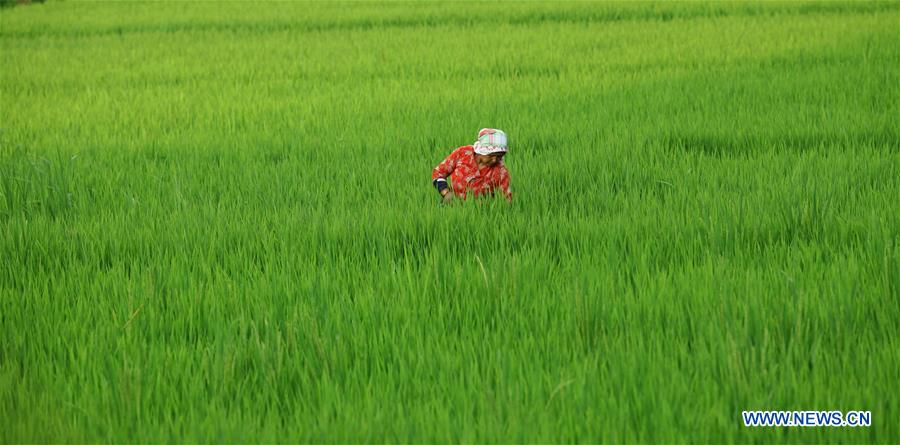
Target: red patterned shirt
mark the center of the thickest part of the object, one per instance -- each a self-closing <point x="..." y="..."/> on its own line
<point x="466" y="177"/>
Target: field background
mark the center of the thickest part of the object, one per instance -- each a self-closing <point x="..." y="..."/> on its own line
<point x="217" y="222"/>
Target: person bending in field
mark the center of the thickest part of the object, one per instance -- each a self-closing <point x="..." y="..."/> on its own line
<point x="474" y="169"/>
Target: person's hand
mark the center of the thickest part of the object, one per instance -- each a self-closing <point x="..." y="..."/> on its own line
<point x="446" y="196"/>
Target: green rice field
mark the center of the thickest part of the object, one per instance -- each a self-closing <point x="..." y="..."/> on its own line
<point x="217" y="222"/>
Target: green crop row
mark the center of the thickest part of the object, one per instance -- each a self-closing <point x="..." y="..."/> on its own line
<point x="217" y="222"/>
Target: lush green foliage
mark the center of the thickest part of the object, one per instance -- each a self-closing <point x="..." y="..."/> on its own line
<point x="217" y="222"/>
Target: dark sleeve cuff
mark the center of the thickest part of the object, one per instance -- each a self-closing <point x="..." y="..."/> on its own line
<point x="440" y="185"/>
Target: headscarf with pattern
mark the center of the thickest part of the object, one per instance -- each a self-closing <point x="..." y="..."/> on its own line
<point x="490" y="141"/>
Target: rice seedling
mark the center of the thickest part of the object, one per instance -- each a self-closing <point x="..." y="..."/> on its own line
<point x="217" y="222"/>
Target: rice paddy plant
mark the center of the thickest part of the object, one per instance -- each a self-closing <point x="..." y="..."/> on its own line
<point x="217" y="222"/>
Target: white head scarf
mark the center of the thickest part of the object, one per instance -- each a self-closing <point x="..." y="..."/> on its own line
<point x="490" y="141"/>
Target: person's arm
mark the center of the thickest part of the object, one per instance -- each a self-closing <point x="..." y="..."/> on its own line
<point x="504" y="183"/>
<point x="440" y="174"/>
